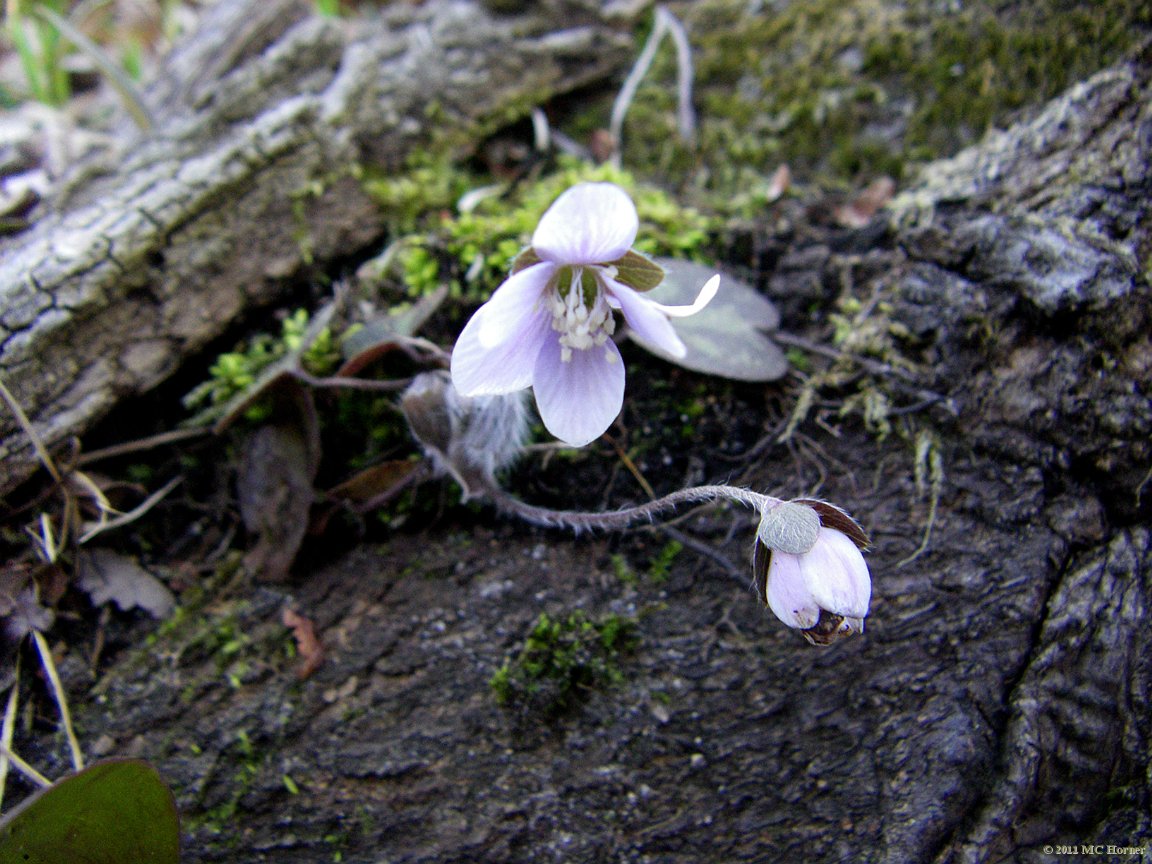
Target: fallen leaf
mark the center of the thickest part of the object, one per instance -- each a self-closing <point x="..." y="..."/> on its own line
<point x="110" y="813"/>
<point x="859" y="212"/>
<point x="24" y="614"/>
<point x="307" y="644"/>
<point x="778" y="185"/>
<point x="274" y="484"/>
<point x="726" y="338"/>
<point x="385" y="333"/>
<point x="109" y="576"/>
<point x="375" y="484"/>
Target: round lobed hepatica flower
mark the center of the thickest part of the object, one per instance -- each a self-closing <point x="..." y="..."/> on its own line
<point x="810" y="571"/>
<point x="549" y="326"/>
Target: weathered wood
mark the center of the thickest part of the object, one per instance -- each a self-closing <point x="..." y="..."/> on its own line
<point x="263" y="119"/>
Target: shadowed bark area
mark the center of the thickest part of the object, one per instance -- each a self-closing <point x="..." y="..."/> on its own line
<point x="249" y="181"/>
<point x="995" y="706"/>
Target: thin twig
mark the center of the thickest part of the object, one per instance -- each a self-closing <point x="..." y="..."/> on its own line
<point x="933" y="501"/>
<point x="350" y="383"/>
<point x="8" y="730"/>
<point x="24" y="768"/>
<point x="120" y="82"/>
<point x="174" y="436"/>
<point x="905" y="380"/>
<point x="133" y="514"/>
<point x="634" y="471"/>
<point x="665" y="24"/>
<point x="61" y="699"/>
<point x="33" y="436"/>
<point x="706" y="551"/>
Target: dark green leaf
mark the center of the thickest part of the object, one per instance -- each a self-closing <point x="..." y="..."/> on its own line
<point x="638" y="272"/>
<point x="727" y="337"/>
<point x="114" y="812"/>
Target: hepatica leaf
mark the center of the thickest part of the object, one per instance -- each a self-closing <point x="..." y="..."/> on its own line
<point x="113" y="812"/>
<point x="727" y="338"/>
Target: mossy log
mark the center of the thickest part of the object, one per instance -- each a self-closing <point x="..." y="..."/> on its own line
<point x="247" y="181"/>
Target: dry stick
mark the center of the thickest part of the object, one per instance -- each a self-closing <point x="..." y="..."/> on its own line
<point x="24" y="768"/>
<point x="707" y="551"/>
<point x="9" y="729"/>
<point x="133" y="514"/>
<point x="665" y="23"/>
<point x="61" y="699"/>
<point x="904" y="380"/>
<point x="26" y="425"/>
<point x="120" y="82"/>
<point x="173" y="436"/>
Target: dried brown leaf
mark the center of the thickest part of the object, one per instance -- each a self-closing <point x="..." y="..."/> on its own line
<point x="859" y="212"/>
<point x="109" y="576"/>
<point x="308" y="645"/>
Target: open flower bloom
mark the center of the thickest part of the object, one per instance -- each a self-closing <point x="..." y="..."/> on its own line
<point x="825" y="590"/>
<point x="549" y="326"/>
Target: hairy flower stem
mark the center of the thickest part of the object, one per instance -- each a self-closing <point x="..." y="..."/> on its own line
<point x="618" y="520"/>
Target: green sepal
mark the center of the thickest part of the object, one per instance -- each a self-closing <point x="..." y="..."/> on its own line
<point x="525" y="259"/>
<point x="638" y="272"/>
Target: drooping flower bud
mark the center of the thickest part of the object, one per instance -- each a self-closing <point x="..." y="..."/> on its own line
<point x="811" y="572"/>
<point x="469" y="438"/>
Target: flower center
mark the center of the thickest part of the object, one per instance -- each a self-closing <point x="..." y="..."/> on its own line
<point x="580" y="314"/>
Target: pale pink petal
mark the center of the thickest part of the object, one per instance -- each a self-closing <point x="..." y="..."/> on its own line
<point x="478" y="370"/>
<point x="837" y="575"/>
<point x="590" y="223"/>
<point x="787" y="593"/>
<point x="579" y="399"/>
<point x="514" y="304"/>
<point x="645" y="317"/>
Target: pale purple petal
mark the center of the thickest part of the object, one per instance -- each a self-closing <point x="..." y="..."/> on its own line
<point x="702" y="299"/>
<point x="590" y="223"/>
<point x="514" y="305"/>
<point x="478" y="370"/>
<point x="837" y="575"/>
<point x="787" y="593"/>
<point x="646" y="319"/>
<point x="579" y="399"/>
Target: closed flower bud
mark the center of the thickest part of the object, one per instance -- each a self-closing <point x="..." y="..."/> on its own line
<point x="813" y="575"/>
<point x="468" y="438"/>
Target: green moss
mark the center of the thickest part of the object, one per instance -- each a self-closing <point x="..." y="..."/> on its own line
<point x="848" y="89"/>
<point x="562" y="660"/>
<point x="473" y="251"/>
<point x="247" y="764"/>
<point x="236" y="371"/>
<point x="662" y="562"/>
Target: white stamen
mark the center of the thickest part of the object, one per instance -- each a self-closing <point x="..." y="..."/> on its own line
<point x="580" y="327"/>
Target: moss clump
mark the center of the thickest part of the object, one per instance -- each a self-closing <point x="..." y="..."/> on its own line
<point x="472" y="251"/>
<point x="849" y="89"/>
<point x="236" y="371"/>
<point x="562" y="660"/>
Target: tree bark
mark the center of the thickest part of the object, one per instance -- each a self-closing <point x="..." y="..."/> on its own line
<point x="249" y="179"/>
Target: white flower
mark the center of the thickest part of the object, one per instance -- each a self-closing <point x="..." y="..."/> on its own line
<point x="824" y="591"/>
<point x="549" y="326"/>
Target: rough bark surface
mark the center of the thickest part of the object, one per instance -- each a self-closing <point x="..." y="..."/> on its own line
<point x="248" y="179"/>
<point x="995" y="709"/>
